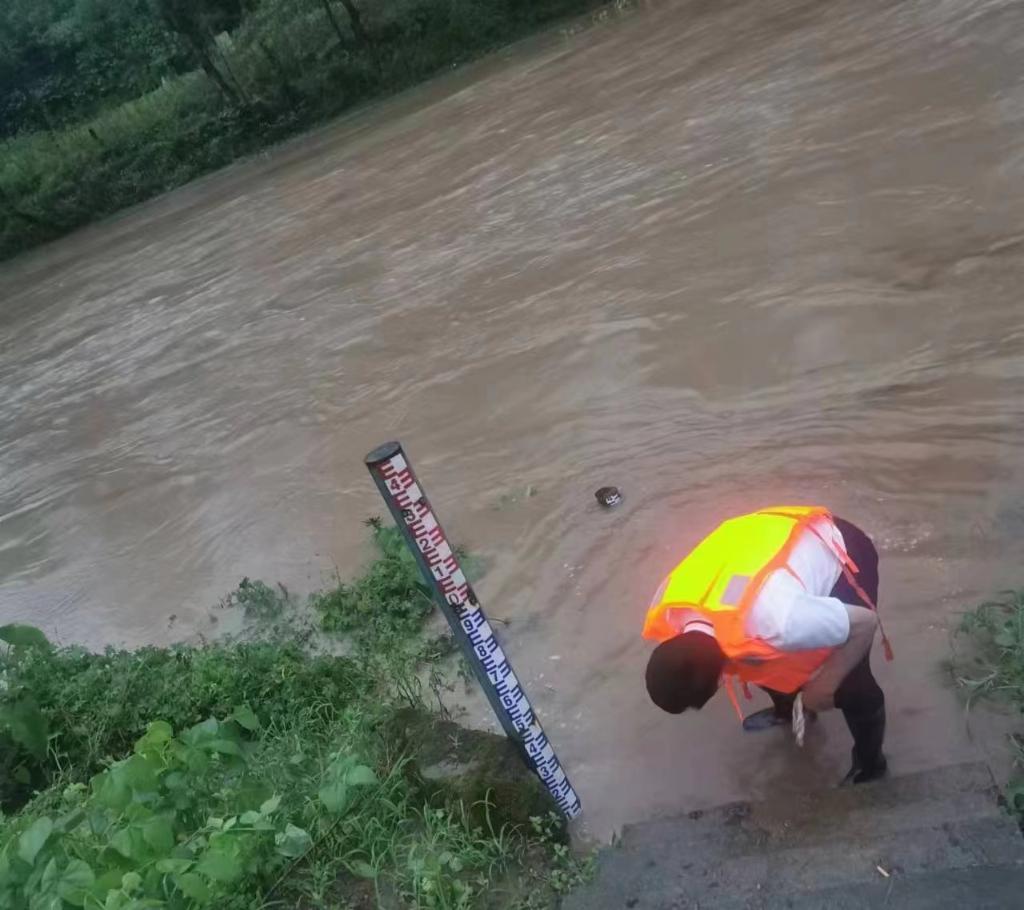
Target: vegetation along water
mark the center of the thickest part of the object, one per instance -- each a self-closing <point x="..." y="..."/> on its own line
<point x="105" y="103"/>
<point x="267" y="772"/>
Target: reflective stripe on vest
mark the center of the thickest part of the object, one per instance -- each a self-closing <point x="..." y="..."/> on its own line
<point x="721" y="579"/>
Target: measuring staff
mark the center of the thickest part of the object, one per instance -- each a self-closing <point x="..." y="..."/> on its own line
<point x="784" y="599"/>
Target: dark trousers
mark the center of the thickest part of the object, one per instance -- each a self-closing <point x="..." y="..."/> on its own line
<point x="859" y="696"/>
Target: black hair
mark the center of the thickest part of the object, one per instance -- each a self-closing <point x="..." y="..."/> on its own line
<point x="683" y="672"/>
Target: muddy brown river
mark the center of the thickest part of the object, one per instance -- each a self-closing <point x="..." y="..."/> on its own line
<point x="721" y="254"/>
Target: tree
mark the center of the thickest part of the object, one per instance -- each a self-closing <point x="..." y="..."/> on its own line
<point x="356" y="19"/>
<point x="359" y="32"/>
<point x="197" y="21"/>
<point x="62" y="60"/>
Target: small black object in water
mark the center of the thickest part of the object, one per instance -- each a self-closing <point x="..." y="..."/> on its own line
<point x="608" y="496"/>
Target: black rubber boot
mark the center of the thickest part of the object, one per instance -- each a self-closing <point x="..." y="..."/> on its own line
<point x="868" y="735"/>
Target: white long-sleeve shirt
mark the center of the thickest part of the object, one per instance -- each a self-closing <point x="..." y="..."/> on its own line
<point x="793" y="613"/>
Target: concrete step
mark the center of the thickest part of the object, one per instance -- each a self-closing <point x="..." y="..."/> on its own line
<point x="834" y="864"/>
<point x="979" y="888"/>
<point x="945" y="822"/>
<point x="952" y="794"/>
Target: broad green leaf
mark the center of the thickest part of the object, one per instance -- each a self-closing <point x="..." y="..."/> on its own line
<point x="198" y="760"/>
<point x="224" y="746"/>
<point x="32" y="840"/>
<point x="193" y="886"/>
<point x="270" y="806"/>
<point x="98" y="820"/>
<point x="75" y="881"/>
<point x="339" y="765"/>
<point x="141" y="773"/>
<point x="204" y="730"/>
<point x="22" y="636"/>
<point x="108" y="880"/>
<point x="254" y="819"/>
<point x="221" y="862"/>
<point x="158" y="833"/>
<point x="111" y="789"/>
<point x="173" y="864"/>
<point x="115" y="900"/>
<point x="293" y="841"/>
<point x="360" y="776"/>
<point x="175" y="780"/>
<point x="129" y="843"/>
<point x="334" y="796"/>
<point x="49" y="874"/>
<point x="138" y="809"/>
<point x="244" y="716"/>
<point x="131" y="881"/>
<point x="157" y="734"/>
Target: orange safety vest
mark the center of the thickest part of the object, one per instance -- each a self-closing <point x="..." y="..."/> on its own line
<point x="721" y="579"/>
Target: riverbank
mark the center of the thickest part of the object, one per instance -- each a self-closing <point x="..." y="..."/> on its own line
<point x="278" y="72"/>
<point x="703" y="262"/>
<point x="256" y="773"/>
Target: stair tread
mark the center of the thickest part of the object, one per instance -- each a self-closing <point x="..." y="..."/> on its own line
<point x="951" y="793"/>
<point x="915" y="827"/>
<point x="977" y="888"/>
<point x="837" y="862"/>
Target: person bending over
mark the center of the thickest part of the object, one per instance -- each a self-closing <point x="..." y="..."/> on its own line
<point x="785" y="599"/>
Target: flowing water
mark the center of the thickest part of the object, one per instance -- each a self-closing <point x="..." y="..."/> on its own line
<point x="721" y="254"/>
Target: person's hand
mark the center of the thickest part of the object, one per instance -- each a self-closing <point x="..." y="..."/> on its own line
<point x="820" y="691"/>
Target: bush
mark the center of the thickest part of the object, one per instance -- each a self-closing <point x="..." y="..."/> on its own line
<point x="97" y="705"/>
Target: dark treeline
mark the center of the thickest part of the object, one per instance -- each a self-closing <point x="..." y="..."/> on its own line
<point x="104" y="103"/>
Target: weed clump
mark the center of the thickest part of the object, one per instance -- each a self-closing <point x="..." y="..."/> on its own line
<point x="388" y="602"/>
<point x="996" y="668"/>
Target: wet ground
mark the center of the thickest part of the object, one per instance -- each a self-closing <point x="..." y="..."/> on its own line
<point x="721" y="254"/>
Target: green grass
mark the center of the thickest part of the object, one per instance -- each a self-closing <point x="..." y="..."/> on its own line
<point x="996" y="668"/>
<point x="251" y="775"/>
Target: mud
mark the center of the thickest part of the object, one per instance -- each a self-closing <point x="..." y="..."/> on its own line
<point x="719" y="254"/>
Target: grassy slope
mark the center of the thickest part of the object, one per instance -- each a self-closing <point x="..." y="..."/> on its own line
<point x="251" y="775"/>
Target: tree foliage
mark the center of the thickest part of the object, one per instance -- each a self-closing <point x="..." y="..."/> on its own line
<point x="106" y="102"/>
<point x="61" y="60"/>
